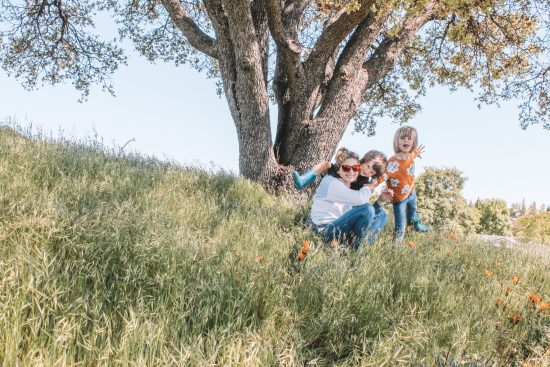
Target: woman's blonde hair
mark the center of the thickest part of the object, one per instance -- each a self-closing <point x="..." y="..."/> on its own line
<point x="342" y="154"/>
<point x="405" y="132"/>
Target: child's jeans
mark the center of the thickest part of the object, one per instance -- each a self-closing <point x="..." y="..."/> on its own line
<point x="404" y="212"/>
<point x="360" y="223"/>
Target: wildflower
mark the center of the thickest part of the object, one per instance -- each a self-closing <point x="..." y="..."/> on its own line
<point x="260" y="259"/>
<point x="526" y="365"/>
<point x="544" y="306"/>
<point x="305" y="247"/>
<point x="534" y="298"/>
<point x="388" y="237"/>
<point x="334" y="244"/>
<point x="515" y="318"/>
<point x="451" y="235"/>
<point x="489" y="272"/>
<point x="498" y="302"/>
<point x="301" y="256"/>
<point x="515" y="279"/>
<point x="408" y="228"/>
<point x="411" y="244"/>
<point x="507" y="290"/>
<point x="497" y="325"/>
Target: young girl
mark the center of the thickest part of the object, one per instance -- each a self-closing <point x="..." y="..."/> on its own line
<point x="399" y="178"/>
<point x="373" y="164"/>
<point x="338" y="212"/>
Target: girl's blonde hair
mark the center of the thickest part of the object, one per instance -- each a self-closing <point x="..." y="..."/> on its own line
<point x="342" y="154"/>
<point x="405" y="132"/>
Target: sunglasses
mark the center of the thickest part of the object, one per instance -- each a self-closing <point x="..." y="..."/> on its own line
<point x="355" y="168"/>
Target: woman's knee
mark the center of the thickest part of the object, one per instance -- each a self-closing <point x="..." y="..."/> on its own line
<point x="367" y="210"/>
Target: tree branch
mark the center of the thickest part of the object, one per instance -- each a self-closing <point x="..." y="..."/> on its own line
<point x="196" y="37"/>
<point x="295" y="8"/>
<point x="288" y="46"/>
<point x="335" y="32"/>
<point x="349" y="63"/>
<point x="386" y="54"/>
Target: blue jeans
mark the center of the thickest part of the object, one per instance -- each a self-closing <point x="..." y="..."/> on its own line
<point x="404" y="212"/>
<point x="363" y="221"/>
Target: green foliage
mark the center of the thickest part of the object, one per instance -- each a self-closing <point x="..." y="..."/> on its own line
<point x="118" y="261"/>
<point x="441" y="203"/>
<point x="534" y="226"/>
<point x="500" y="46"/>
<point x="495" y="218"/>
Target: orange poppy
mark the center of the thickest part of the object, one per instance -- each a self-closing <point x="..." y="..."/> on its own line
<point x="489" y="272"/>
<point x="544" y="306"/>
<point x="301" y="256"/>
<point x="305" y="250"/>
<point x="334" y="244"/>
<point x="507" y="290"/>
<point x="388" y="237"/>
<point x="497" y="325"/>
<point x="411" y="244"/>
<point x="515" y="318"/>
<point x="515" y="279"/>
<point x="527" y="365"/>
<point x="260" y="259"/>
<point x="498" y="302"/>
<point x="306" y="243"/>
<point x="534" y="298"/>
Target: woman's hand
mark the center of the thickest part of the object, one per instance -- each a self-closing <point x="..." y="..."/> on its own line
<point x="372" y="185"/>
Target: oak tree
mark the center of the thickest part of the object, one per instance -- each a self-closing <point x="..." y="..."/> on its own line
<point x="322" y="63"/>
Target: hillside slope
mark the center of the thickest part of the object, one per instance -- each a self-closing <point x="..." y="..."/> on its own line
<point x="125" y="260"/>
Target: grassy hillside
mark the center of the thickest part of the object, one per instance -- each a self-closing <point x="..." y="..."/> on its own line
<point x="128" y="261"/>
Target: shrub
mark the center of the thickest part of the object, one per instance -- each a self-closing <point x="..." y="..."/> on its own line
<point x="441" y="203"/>
<point x="534" y="226"/>
<point x="495" y="218"/>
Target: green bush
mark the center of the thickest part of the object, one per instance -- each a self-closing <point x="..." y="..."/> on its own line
<point x="534" y="226"/>
<point x="441" y="203"/>
<point x="494" y="217"/>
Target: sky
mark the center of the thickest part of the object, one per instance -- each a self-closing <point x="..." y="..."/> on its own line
<point x="175" y="114"/>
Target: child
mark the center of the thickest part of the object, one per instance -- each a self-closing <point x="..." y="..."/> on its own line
<point x="399" y="178"/>
<point x="373" y="163"/>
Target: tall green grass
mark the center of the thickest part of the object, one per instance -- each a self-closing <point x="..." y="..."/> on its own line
<point x="129" y="261"/>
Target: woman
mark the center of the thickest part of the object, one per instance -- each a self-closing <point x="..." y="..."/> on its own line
<point x="338" y="212"/>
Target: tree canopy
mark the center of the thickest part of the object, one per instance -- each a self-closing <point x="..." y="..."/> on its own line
<point x="323" y="63"/>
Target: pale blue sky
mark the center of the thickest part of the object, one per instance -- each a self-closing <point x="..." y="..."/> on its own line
<point x="174" y="113"/>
